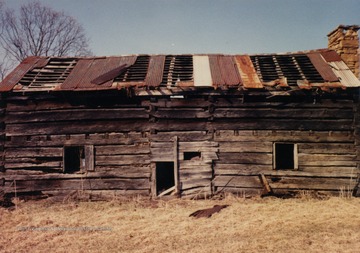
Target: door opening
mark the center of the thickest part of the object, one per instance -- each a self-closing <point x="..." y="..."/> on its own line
<point x="165" y="177"/>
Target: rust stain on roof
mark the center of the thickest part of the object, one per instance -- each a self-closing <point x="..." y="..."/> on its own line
<point x="248" y="74"/>
<point x="15" y="76"/>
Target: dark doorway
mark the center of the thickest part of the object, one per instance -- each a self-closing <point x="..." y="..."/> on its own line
<point x="165" y="177"/>
<point x="74" y="158"/>
<point x="284" y="156"/>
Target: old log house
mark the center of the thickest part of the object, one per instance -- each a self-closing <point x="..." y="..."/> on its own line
<point x="184" y="125"/>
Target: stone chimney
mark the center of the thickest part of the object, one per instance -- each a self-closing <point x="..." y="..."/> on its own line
<point x="345" y="41"/>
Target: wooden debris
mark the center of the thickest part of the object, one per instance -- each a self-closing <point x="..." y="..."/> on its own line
<point x="207" y="213"/>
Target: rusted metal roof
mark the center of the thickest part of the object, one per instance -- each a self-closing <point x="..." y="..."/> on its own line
<point x="15" y="76"/>
<point x="155" y="71"/>
<point x="248" y="74"/>
<point x="84" y="75"/>
<point x="323" y="67"/>
<point x="273" y="72"/>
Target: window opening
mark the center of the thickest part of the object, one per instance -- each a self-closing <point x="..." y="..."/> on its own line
<point x="192" y="155"/>
<point x="74" y="159"/>
<point x="285" y="156"/>
<point x="78" y="158"/>
<point x="165" y="178"/>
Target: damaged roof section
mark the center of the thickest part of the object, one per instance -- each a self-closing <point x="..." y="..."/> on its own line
<point x="315" y="69"/>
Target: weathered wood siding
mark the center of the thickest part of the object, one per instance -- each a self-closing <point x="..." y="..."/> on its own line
<point x="234" y="136"/>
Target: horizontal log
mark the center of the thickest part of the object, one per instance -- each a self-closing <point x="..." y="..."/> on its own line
<point x="284" y="136"/>
<point x="250" y="158"/>
<point x="195" y="168"/>
<point x="240" y="192"/>
<point x="229" y="147"/>
<point x="182" y="136"/>
<point x="306" y="183"/>
<point x="284" y="113"/>
<point x="240" y="169"/>
<point x="326" y="157"/>
<point x="237" y="181"/>
<point x="327" y="163"/>
<point x="193" y="174"/>
<point x="197" y="144"/>
<point x="33" y="165"/>
<point x="89" y="175"/>
<point x="78" y="184"/>
<point x="195" y="183"/>
<point x="75" y="115"/>
<point x="76" y="139"/>
<point x="197" y="192"/>
<point x="167" y="145"/>
<point x="122" y="160"/>
<point x="122" y="149"/>
<point x="33" y="152"/>
<point x="190" y="113"/>
<point x="326" y="148"/>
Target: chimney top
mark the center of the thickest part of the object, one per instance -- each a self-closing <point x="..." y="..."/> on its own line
<point x="355" y="28"/>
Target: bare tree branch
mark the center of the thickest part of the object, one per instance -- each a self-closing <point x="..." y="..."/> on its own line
<point x="41" y="31"/>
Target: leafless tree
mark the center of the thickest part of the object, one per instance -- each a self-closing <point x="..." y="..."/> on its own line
<point x="41" y="31"/>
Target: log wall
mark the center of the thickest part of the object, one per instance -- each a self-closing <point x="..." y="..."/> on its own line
<point x="235" y="138"/>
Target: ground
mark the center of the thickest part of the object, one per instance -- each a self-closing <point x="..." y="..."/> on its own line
<point x="304" y="224"/>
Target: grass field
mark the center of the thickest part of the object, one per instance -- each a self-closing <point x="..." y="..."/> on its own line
<point x="137" y="225"/>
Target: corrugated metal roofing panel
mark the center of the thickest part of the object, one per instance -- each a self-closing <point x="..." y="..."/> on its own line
<point x="322" y="67"/>
<point x="77" y="74"/>
<point x="229" y="70"/>
<point x="248" y="74"/>
<point x="87" y="70"/>
<point x="215" y="71"/>
<point x="15" y="76"/>
<point x="330" y="56"/>
<point x="345" y="75"/>
<point x="202" y="73"/>
<point x="155" y="71"/>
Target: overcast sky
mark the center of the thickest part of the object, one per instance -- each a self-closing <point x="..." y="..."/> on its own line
<point x="117" y="27"/>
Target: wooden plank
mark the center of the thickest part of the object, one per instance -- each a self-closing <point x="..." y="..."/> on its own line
<point x="34" y="152"/>
<point x="250" y="158"/>
<point x="89" y="175"/>
<point x="35" y="165"/>
<point x="235" y="147"/>
<point x="194" y="183"/>
<point x="284" y="136"/>
<point x="123" y="149"/>
<point x="80" y="184"/>
<point x="238" y="181"/>
<point x="176" y="164"/>
<point x="326" y="157"/>
<point x="311" y="183"/>
<point x="190" y="113"/>
<point x="89" y="157"/>
<point x="240" y="169"/>
<point x="122" y="160"/>
<point x="326" y="148"/>
<point x="81" y="127"/>
<point x="283" y="113"/>
<point x="130" y="138"/>
<point x="75" y="115"/>
<point x="183" y="136"/>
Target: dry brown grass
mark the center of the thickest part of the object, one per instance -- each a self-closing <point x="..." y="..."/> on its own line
<point x="247" y="225"/>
